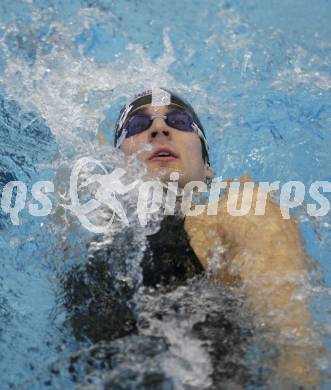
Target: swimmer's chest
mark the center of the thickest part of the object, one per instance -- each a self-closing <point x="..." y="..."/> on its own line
<point x="169" y="257"/>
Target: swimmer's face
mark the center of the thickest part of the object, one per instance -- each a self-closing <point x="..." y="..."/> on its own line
<point x="184" y="149"/>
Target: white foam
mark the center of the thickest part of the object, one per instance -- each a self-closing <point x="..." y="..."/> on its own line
<point x="71" y="91"/>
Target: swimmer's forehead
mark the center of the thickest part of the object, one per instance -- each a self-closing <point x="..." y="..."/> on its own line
<point x="149" y="109"/>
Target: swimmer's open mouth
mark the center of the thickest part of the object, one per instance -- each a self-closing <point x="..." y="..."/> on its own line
<point x="163" y="154"/>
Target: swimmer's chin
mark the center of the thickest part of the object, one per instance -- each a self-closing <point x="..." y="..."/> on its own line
<point x="163" y="174"/>
<point x="159" y="173"/>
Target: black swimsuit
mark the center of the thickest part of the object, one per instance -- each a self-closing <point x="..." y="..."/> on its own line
<point x="99" y="303"/>
<point x="169" y="258"/>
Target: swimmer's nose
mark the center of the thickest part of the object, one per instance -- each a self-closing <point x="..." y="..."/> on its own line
<point x="158" y="130"/>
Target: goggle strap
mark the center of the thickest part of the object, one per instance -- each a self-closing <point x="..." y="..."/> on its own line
<point x="121" y="138"/>
<point x="200" y="134"/>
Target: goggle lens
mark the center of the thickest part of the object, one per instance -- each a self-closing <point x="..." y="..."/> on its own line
<point x="138" y="123"/>
<point x="179" y="121"/>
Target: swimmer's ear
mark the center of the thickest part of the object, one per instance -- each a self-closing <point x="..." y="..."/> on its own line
<point x="208" y="171"/>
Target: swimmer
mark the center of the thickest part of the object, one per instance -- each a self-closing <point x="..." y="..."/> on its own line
<point x="262" y="253"/>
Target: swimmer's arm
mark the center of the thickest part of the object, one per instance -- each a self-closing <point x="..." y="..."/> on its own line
<point x="267" y="254"/>
<point x="261" y="252"/>
<point x="264" y="254"/>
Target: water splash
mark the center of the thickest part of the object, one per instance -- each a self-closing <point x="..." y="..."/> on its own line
<point x="251" y="84"/>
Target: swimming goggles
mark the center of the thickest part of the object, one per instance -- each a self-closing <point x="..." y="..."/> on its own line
<point x="179" y="120"/>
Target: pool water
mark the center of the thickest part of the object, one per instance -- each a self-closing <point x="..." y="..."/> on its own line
<point x="258" y="74"/>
